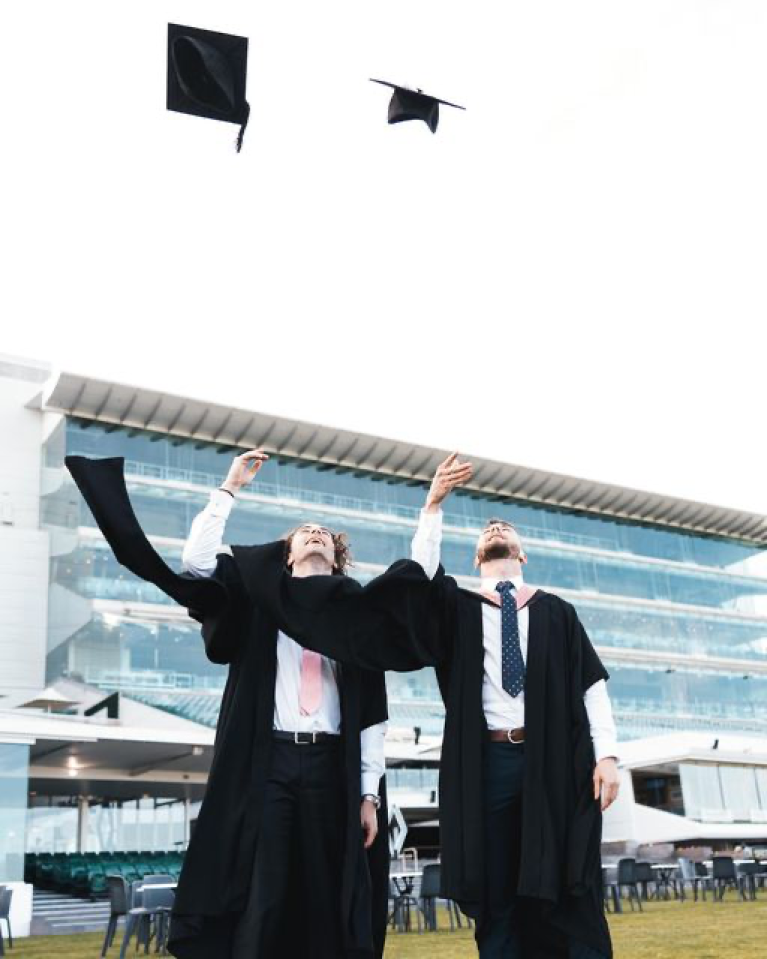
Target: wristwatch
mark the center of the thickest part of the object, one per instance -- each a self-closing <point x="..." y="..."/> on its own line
<point x="371" y="797"/>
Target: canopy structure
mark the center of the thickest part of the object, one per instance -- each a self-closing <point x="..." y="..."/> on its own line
<point x="134" y="408"/>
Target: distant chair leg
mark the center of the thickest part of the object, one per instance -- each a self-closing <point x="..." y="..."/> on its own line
<point x="108" y="936"/>
<point x="130" y="925"/>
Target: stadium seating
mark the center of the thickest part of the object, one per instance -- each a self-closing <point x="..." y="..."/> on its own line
<point x="85" y="874"/>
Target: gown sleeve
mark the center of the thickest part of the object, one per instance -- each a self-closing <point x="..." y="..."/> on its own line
<point x="393" y="622"/>
<point x="218" y="602"/>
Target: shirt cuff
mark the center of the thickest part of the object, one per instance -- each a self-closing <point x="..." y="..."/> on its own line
<point x="370" y="782"/>
<point x="221" y="503"/>
<point x="605" y="748"/>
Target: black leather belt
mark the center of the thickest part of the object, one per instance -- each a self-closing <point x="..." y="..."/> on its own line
<point x="506" y="735"/>
<point x="305" y="739"/>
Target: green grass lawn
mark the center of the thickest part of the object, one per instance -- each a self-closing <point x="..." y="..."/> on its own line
<point x="665" y="930"/>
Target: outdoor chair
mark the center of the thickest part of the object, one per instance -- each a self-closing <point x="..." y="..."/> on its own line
<point x="5" y="916"/>
<point x="429" y="895"/>
<point x="627" y="880"/>
<point x="706" y="879"/>
<point x="610" y="893"/>
<point x="149" y="914"/>
<point x="403" y="901"/>
<point x="726" y="876"/>
<point x="117" y="889"/>
<point x="644" y="876"/>
<point x="688" y="872"/>
<point x="430" y="885"/>
<point x="750" y="872"/>
<point x="667" y="879"/>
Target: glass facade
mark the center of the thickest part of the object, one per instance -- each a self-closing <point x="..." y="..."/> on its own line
<point x="68" y="824"/>
<point x="642" y="592"/>
<point x="14" y="770"/>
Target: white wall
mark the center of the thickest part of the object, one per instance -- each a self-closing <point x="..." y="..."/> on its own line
<point x="21" y="912"/>
<point x="23" y="546"/>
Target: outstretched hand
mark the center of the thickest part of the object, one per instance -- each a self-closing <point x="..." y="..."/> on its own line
<point x="450" y="474"/>
<point x="244" y="467"/>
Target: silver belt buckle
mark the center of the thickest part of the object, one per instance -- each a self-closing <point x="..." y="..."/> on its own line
<point x="299" y="742"/>
<point x="516" y="742"/>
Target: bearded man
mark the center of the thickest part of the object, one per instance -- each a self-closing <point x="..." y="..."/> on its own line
<point x="529" y="751"/>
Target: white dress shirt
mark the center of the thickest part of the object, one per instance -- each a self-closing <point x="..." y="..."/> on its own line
<point x="503" y="711"/>
<point x="199" y="558"/>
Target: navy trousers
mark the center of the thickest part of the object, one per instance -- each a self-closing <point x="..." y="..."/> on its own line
<point x="498" y="935"/>
<point x="510" y="928"/>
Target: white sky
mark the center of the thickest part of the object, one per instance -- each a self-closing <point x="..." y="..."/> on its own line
<point x="570" y="275"/>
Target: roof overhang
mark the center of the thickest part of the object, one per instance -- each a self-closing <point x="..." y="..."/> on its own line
<point x="131" y="407"/>
<point x="695" y="747"/>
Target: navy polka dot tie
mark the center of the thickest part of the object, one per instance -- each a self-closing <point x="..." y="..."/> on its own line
<point x="512" y="663"/>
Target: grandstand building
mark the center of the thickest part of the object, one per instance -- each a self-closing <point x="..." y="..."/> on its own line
<point x="673" y="593"/>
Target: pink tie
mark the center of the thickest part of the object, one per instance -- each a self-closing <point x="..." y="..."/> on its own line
<point x="310" y="695"/>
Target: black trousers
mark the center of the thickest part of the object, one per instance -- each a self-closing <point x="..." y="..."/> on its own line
<point x="294" y="906"/>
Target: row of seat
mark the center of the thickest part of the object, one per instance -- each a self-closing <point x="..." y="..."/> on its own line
<point x="85" y="874"/>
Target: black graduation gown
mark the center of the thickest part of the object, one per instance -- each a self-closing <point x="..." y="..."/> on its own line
<point x="560" y="869"/>
<point x="215" y="880"/>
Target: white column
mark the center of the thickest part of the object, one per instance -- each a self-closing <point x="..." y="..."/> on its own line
<point x="83" y="817"/>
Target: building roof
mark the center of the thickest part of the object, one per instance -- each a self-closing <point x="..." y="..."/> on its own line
<point x="132" y="407"/>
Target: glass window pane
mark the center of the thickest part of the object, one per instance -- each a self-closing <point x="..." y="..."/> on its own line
<point x="14" y="779"/>
<point x="702" y="792"/>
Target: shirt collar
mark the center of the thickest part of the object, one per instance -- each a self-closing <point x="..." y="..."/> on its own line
<point x="488" y="583"/>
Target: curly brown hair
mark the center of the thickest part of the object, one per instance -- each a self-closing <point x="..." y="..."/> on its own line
<point x="342" y="558"/>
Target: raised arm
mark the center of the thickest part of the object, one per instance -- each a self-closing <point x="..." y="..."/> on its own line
<point x="207" y="533"/>
<point x="425" y="548"/>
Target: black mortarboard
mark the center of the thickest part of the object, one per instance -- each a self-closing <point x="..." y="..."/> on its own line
<point x="407" y="104"/>
<point x="206" y="75"/>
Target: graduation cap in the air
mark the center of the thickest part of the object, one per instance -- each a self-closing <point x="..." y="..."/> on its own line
<point x="206" y="75"/>
<point x="408" y="104"/>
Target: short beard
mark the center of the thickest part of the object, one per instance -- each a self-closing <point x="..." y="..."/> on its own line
<point x="498" y="551"/>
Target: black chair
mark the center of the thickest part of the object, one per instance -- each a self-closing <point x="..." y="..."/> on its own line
<point x="690" y="873"/>
<point x="6" y="895"/>
<point x="429" y="895"/>
<point x="149" y="915"/>
<point x="403" y="901"/>
<point x="610" y="892"/>
<point x="667" y="880"/>
<point x="751" y="874"/>
<point x="644" y="875"/>
<point x="119" y="896"/>
<point x="726" y="877"/>
<point x="430" y="886"/>
<point x="627" y="880"/>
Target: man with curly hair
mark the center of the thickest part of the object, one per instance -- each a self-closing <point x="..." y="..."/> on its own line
<point x="302" y="832"/>
<point x="289" y="854"/>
